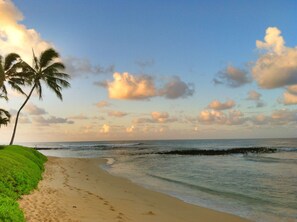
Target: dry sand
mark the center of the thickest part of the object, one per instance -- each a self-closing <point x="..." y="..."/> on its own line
<point x="78" y="190"/>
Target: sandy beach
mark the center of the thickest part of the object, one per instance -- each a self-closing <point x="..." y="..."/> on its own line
<point x="78" y="190"/>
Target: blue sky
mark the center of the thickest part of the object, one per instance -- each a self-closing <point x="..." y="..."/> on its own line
<point x="174" y="45"/>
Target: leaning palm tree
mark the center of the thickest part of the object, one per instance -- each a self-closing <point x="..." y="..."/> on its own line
<point x="45" y="69"/>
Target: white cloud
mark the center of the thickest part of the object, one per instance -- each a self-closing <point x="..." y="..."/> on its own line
<point x="132" y="87"/>
<point x="290" y="96"/>
<point x="127" y="86"/>
<point x="277" y="65"/>
<point x="232" y="77"/>
<point x="217" y="105"/>
<point x="16" y="37"/>
<point x="273" y="41"/>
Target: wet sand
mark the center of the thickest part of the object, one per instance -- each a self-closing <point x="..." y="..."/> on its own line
<point x="75" y="189"/>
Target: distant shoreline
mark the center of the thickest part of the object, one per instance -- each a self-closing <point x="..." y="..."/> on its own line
<point x="76" y="189"/>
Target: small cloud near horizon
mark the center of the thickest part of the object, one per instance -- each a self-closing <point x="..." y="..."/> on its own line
<point x="217" y="105"/>
<point x="40" y="120"/>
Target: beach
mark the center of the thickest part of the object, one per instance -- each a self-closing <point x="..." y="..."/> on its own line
<point x="77" y="189"/>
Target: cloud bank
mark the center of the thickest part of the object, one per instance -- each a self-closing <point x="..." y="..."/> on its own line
<point x="233" y="117"/>
<point x="277" y="117"/>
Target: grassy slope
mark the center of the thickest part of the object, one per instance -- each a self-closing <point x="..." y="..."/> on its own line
<point x="20" y="170"/>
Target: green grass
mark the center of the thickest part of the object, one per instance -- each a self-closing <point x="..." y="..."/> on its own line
<point x="20" y="170"/>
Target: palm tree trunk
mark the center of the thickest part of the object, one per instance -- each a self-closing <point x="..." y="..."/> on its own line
<point x="18" y="114"/>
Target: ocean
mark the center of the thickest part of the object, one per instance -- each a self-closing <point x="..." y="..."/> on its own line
<point x="252" y="178"/>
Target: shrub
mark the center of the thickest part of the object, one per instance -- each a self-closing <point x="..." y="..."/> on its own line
<point x="20" y="171"/>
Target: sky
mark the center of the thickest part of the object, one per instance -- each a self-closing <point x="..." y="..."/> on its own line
<point x="143" y="70"/>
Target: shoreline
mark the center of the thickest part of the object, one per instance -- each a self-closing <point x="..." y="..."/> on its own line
<point x="75" y="189"/>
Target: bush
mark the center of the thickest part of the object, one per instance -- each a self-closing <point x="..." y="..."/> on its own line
<point x="20" y="171"/>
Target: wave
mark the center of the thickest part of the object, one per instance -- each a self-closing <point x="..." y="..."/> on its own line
<point x="286" y="149"/>
<point x="106" y="146"/>
<point x="225" y="194"/>
<point x="270" y="159"/>
<point x="50" y="148"/>
<point x="213" y="152"/>
<point x="110" y="161"/>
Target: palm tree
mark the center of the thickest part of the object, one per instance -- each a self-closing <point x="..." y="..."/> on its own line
<point x="45" y="69"/>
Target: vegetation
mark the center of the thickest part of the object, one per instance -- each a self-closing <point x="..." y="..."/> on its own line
<point x="20" y="170"/>
<point x="45" y="69"/>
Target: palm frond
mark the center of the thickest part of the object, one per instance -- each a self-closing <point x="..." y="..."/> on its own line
<point x="39" y="89"/>
<point x="4" y="117"/>
<point x="3" y="92"/>
<point x="10" y="60"/>
<point x="15" y="86"/>
<point x="47" y="57"/>
<point x="35" y="61"/>
<point x="55" y="67"/>
<point x="56" y="88"/>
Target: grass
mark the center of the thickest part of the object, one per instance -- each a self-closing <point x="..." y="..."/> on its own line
<point x="20" y="171"/>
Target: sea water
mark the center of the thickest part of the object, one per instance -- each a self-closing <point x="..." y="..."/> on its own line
<point x="260" y="187"/>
